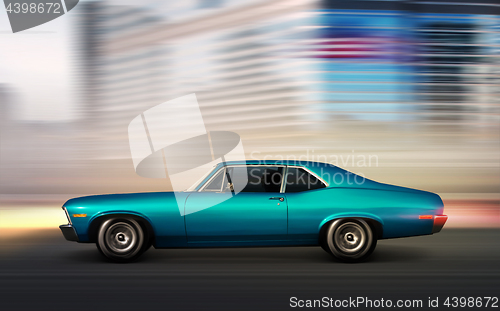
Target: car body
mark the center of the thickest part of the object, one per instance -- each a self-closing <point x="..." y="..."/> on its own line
<point x="305" y="203"/>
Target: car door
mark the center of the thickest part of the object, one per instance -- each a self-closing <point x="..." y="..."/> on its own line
<point x="240" y="203"/>
<point x="308" y="203"/>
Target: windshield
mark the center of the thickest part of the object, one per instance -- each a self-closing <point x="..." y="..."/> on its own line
<point x="198" y="182"/>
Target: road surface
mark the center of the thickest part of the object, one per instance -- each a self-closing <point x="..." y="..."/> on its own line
<point x="42" y="271"/>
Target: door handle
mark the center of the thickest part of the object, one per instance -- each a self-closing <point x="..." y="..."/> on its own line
<point x="277" y="198"/>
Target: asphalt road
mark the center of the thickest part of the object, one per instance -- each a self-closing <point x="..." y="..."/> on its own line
<point x="45" y="272"/>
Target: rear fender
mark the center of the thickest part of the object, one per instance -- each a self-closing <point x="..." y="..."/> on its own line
<point x="379" y="223"/>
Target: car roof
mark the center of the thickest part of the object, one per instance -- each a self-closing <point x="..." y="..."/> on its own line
<point x="277" y="162"/>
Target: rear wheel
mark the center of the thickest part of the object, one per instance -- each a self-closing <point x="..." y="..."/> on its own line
<point x="350" y="240"/>
<point x="121" y="240"/>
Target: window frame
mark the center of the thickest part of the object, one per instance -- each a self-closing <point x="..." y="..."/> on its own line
<point x="260" y="165"/>
<point x="283" y="178"/>
<point x="202" y="188"/>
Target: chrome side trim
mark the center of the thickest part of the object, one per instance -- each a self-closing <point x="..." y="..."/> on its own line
<point x="245" y="165"/>
<point x="67" y="215"/>
<point x="260" y="165"/>
<point x="283" y="180"/>
<point x="202" y="188"/>
<point x="199" y="181"/>
<point x="224" y="180"/>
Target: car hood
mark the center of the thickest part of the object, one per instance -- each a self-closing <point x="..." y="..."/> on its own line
<point x="122" y="199"/>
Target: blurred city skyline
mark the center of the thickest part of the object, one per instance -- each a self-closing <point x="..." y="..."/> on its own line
<point x="36" y="61"/>
<point x="415" y="83"/>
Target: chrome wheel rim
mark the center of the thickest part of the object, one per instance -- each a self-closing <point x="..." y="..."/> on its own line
<point x="350" y="237"/>
<point x="121" y="237"/>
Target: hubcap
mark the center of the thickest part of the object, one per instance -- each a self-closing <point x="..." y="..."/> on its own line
<point x="350" y="237"/>
<point x="121" y="237"/>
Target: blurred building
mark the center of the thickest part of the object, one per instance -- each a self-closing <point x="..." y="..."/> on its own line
<point x="414" y="82"/>
<point x="237" y="57"/>
<point x="5" y="105"/>
<point x="34" y="156"/>
<point x="276" y="68"/>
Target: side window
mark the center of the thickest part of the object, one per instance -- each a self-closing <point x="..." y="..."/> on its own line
<point x="255" y="178"/>
<point x="298" y="180"/>
<point x="216" y="183"/>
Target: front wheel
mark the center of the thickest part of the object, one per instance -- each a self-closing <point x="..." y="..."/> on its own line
<point x="121" y="240"/>
<point x="350" y="240"/>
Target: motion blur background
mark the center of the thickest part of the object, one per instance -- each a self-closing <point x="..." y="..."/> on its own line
<point x="415" y="84"/>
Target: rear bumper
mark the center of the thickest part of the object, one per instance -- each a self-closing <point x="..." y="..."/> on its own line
<point x="439" y="222"/>
<point x="69" y="232"/>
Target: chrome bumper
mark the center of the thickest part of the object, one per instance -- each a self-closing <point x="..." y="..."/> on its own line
<point x="69" y="232"/>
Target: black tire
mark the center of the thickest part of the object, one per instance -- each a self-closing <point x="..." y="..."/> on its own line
<point x="324" y="246"/>
<point x="122" y="240"/>
<point x="350" y="240"/>
<point x="322" y="239"/>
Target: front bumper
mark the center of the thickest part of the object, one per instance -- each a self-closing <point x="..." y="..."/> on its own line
<point x="69" y="232"/>
<point x="439" y="222"/>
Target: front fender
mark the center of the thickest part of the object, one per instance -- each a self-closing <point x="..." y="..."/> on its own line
<point x="91" y="232"/>
<point x="122" y="212"/>
<point x="159" y="209"/>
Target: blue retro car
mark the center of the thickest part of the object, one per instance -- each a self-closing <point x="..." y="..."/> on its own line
<point x="257" y="203"/>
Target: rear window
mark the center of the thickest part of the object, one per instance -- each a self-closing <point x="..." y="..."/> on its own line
<point x="298" y="180"/>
